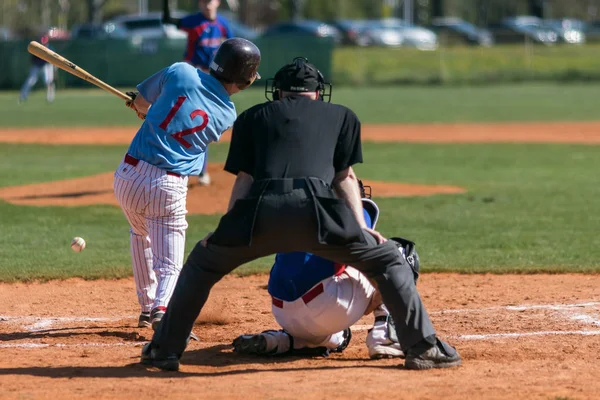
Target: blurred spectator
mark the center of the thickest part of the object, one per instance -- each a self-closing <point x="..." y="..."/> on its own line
<point x="206" y="31"/>
<point x="39" y="67"/>
<point x="5" y="33"/>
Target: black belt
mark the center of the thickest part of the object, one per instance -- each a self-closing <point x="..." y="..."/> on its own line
<point x="284" y="185"/>
<point x="287" y="185"/>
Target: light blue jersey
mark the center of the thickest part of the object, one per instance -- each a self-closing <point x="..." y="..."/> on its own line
<point x="189" y="110"/>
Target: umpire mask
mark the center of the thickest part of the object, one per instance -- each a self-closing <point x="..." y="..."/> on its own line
<point x="300" y="77"/>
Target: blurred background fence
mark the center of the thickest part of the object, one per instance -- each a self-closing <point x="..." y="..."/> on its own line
<point x="122" y="62"/>
<point x="126" y="62"/>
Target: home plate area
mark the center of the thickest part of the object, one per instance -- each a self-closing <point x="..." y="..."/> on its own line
<point x="534" y="336"/>
<point x="494" y="323"/>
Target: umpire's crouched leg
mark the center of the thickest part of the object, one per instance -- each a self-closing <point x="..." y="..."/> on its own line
<point x="204" y="267"/>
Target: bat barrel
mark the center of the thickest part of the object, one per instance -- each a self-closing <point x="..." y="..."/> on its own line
<point x="59" y="61"/>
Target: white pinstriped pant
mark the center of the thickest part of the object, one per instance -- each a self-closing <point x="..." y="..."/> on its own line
<point x="155" y="206"/>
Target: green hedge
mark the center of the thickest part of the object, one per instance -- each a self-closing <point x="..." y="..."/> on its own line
<point x="125" y="63"/>
<point x="466" y="65"/>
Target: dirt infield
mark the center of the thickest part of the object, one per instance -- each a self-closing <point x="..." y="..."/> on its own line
<point x="525" y="337"/>
<point x="521" y="336"/>
<point x="98" y="189"/>
<point x="524" y="132"/>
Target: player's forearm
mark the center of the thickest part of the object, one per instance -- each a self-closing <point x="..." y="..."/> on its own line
<point x="141" y="104"/>
<point x="241" y="187"/>
<point x="345" y="184"/>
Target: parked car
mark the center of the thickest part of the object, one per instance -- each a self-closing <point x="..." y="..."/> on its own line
<point x="303" y="28"/>
<point x="520" y="29"/>
<point x="351" y="31"/>
<point x="456" y="30"/>
<point x="568" y="30"/>
<point x="239" y="29"/>
<point x="592" y="31"/>
<point x="394" y="32"/>
<point x="149" y="26"/>
<point x="99" y="31"/>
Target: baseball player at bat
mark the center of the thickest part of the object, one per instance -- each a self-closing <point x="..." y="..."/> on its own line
<point x="206" y="31"/>
<point x="316" y="301"/>
<point x="184" y="109"/>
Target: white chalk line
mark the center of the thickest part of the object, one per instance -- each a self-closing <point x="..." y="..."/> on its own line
<point x="564" y="308"/>
<point x="523" y="334"/>
<point x="30" y="345"/>
<point x="522" y="307"/>
<point x="41" y="323"/>
<point x="47" y="345"/>
<point x="44" y="323"/>
<point x="508" y="335"/>
<point x="586" y="319"/>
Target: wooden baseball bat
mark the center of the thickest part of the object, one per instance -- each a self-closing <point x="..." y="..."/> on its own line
<point x="56" y="59"/>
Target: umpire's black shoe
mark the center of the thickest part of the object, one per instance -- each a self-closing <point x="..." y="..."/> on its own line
<point x="169" y="363"/>
<point x="425" y="356"/>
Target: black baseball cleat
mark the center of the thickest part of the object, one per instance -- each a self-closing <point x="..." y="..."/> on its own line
<point x="440" y="355"/>
<point x="156" y="316"/>
<point x="169" y="363"/>
<point x="144" y="320"/>
<point x="251" y="344"/>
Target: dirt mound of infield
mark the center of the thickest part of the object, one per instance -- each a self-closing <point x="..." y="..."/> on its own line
<point x="98" y="189"/>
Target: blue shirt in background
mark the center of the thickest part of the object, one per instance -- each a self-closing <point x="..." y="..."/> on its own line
<point x="204" y="38"/>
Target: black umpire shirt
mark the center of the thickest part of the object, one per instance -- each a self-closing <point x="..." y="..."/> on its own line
<point x="294" y="137"/>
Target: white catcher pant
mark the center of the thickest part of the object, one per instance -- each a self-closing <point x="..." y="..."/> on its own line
<point x="155" y="206"/>
<point x="344" y="300"/>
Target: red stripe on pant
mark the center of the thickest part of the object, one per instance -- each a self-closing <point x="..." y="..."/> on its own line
<point x="307" y="297"/>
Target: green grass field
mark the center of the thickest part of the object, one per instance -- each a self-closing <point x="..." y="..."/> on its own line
<point x="529" y="208"/>
<point x="411" y="104"/>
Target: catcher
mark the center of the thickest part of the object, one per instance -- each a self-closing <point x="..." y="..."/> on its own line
<point x="316" y="301"/>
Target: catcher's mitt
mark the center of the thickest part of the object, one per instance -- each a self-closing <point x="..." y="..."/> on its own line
<point x="410" y="254"/>
<point x="365" y="191"/>
<point x="130" y="104"/>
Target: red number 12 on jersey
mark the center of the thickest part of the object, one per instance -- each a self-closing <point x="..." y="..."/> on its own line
<point x="179" y="135"/>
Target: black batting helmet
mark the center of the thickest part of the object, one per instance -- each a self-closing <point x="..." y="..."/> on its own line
<point x="236" y="61"/>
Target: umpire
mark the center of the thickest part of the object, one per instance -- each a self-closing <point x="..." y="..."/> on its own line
<point x="296" y="191"/>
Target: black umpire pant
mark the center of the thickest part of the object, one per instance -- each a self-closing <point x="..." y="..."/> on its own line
<point x="285" y="220"/>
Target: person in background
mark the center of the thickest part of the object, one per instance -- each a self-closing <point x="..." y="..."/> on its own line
<point x="39" y="67"/>
<point x="206" y="31"/>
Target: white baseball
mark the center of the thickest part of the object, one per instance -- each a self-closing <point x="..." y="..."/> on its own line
<point x="77" y="244"/>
